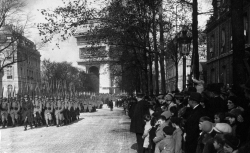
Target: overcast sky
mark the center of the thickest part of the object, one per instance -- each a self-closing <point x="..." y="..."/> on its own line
<point x="68" y="50"/>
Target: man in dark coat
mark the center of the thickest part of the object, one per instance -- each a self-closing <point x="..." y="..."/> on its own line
<point x="216" y="104"/>
<point x="192" y="125"/>
<point x="137" y="122"/>
<point x="111" y="105"/>
<point x="131" y="106"/>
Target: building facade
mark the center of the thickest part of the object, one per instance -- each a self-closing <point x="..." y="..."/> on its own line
<point x="25" y="71"/>
<point x="219" y="42"/>
<point x="96" y="59"/>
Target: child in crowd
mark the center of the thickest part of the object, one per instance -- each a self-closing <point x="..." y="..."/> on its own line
<point x="145" y="135"/>
<point x="167" y="144"/>
<point x="232" y="143"/>
<point x="177" y="135"/>
<point x="163" y="121"/>
<point x="174" y="111"/>
<point x="204" y="136"/>
<point x="219" y="118"/>
<point x="219" y="143"/>
<point x="152" y="134"/>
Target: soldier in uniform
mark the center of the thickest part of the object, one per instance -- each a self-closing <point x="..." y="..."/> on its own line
<point x="62" y="112"/>
<point x="85" y="106"/>
<point x="14" y="109"/>
<point x="54" y="99"/>
<point x="48" y="112"/>
<point x="90" y="105"/>
<point x="37" y="111"/>
<point x="65" y="111"/>
<point x="77" y="109"/>
<point x="43" y="101"/>
<point x="27" y="114"/>
<point x="4" y="111"/>
<point x="58" y="110"/>
<point x="70" y="109"/>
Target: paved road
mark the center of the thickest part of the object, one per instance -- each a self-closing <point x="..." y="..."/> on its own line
<point x="103" y="131"/>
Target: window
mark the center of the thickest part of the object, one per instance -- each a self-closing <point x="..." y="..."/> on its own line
<point x="9" y="72"/>
<point x="223" y="75"/>
<point x="223" y="41"/>
<point x="9" y="89"/>
<point x="9" y="38"/>
<point x="211" y="47"/>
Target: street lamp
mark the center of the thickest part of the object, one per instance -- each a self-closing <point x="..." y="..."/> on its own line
<point x="184" y="42"/>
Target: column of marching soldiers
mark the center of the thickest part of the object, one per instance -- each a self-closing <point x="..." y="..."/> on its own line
<point x="35" y="111"/>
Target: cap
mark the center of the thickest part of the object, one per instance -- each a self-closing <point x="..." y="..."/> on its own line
<point x="195" y="96"/>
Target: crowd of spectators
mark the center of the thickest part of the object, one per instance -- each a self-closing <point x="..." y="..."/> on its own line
<point x="216" y="120"/>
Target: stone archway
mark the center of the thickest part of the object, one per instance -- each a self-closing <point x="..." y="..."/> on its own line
<point x="93" y="72"/>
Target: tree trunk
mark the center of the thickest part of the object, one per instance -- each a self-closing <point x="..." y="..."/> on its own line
<point x="239" y="73"/>
<point x="150" y="84"/>
<point x="145" y="73"/>
<point x="151" y="89"/>
<point x="163" y="81"/>
<point x="176" y="76"/>
<point x="156" y="56"/>
<point x="138" y="82"/>
<point x="195" y="40"/>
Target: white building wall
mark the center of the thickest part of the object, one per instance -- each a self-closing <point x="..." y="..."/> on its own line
<point x="104" y="80"/>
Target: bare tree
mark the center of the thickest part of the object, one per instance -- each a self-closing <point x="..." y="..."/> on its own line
<point x="12" y="25"/>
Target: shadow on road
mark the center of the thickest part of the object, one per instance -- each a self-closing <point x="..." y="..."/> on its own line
<point x="119" y="130"/>
<point x="134" y="146"/>
<point x="125" y="123"/>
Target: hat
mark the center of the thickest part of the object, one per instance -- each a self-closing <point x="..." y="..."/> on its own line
<point x="232" y="141"/>
<point x="234" y="100"/>
<point x="223" y="128"/>
<point x="190" y="90"/>
<point x="215" y="87"/>
<point x="168" y="130"/>
<point x="160" y="97"/>
<point x="206" y="126"/>
<point x="195" y="96"/>
<point x="166" y="114"/>
<point x="171" y="95"/>
<point x="234" y="113"/>
<point x="246" y="85"/>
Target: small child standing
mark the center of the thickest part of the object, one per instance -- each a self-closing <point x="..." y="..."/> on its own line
<point x="167" y="144"/>
<point x="145" y="136"/>
<point x="177" y="135"/>
<point x="218" y="143"/>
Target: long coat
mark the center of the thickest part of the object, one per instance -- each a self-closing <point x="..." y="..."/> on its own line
<point x="177" y="136"/>
<point x="137" y="121"/>
<point x="192" y="129"/>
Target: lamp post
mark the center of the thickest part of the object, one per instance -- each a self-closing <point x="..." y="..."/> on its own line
<point x="184" y="42"/>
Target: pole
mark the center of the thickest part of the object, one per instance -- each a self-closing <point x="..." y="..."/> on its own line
<point x="162" y="67"/>
<point x="195" y="40"/>
<point x="184" y="72"/>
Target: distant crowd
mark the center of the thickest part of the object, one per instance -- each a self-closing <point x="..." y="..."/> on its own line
<point x="216" y="120"/>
